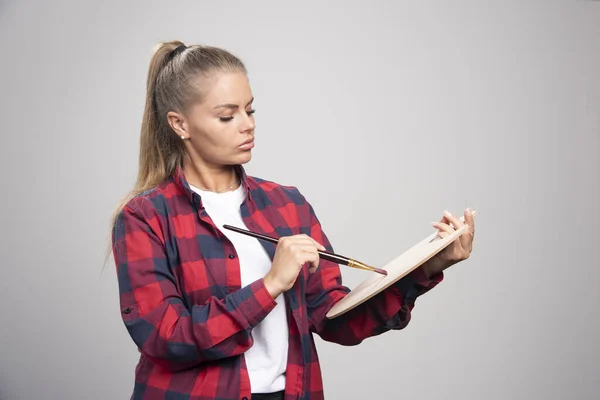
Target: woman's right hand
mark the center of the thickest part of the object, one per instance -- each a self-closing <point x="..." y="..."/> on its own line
<point x="291" y="253"/>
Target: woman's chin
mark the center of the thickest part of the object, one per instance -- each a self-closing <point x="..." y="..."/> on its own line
<point x="244" y="158"/>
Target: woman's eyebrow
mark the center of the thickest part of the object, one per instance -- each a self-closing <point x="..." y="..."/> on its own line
<point x="234" y="106"/>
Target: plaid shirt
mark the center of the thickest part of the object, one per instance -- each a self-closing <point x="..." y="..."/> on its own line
<point x="183" y="305"/>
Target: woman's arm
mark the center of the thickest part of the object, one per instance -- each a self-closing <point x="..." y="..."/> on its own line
<point x="390" y="309"/>
<point x="154" y="313"/>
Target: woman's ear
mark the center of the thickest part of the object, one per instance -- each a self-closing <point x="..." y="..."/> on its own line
<point x="178" y="124"/>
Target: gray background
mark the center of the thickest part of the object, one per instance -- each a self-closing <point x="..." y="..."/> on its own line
<point x="384" y="114"/>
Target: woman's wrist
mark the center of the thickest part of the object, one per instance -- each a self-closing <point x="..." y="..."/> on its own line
<point x="432" y="267"/>
<point x="272" y="287"/>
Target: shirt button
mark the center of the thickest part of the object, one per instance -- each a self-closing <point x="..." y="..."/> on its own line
<point x="231" y="256"/>
<point x="127" y="310"/>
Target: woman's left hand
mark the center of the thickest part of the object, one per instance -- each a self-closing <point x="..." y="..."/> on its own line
<point x="459" y="250"/>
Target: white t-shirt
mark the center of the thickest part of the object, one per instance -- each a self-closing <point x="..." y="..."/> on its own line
<point x="267" y="358"/>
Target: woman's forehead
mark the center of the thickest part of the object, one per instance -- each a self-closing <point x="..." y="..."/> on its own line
<point x="231" y="87"/>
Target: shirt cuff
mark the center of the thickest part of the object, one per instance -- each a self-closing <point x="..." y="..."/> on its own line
<point x="417" y="283"/>
<point x="255" y="302"/>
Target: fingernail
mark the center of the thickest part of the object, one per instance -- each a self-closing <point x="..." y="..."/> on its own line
<point x="447" y="213"/>
<point x="468" y="211"/>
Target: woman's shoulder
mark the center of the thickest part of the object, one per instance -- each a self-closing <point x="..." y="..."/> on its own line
<point x="148" y="202"/>
<point x="274" y="189"/>
<point x="147" y="208"/>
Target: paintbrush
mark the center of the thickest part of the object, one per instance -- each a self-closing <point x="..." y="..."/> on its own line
<point x="325" y="255"/>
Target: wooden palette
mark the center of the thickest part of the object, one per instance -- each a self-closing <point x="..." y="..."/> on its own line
<point x="396" y="269"/>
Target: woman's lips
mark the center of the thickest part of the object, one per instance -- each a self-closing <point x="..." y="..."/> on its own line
<point x="247" y="145"/>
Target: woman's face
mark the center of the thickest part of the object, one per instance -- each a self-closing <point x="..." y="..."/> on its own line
<point x="221" y="127"/>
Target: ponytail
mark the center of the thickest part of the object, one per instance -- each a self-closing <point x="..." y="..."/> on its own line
<point x="170" y="86"/>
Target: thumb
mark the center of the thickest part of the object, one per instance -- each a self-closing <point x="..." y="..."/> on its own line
<point x="320" y="246"/>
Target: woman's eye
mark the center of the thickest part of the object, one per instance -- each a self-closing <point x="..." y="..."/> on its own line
<point x="227" y="119"/>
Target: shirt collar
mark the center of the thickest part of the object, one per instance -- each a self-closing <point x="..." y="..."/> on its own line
<point x="182" y="183"/>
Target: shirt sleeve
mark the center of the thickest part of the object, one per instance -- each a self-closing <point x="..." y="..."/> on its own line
<point x="154" y="312"/>
<point x="389" y="310"/>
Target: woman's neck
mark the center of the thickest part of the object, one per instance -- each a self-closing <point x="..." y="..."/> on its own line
<point x="210" y="178"/>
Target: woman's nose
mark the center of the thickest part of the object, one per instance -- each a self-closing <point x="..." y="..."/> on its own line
<point x="247" y="124"/>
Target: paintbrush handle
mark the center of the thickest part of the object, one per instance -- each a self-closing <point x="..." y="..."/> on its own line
<point x="325" y="255"/>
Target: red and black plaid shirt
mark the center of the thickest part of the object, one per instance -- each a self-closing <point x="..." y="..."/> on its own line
<point x="183" y="305"/>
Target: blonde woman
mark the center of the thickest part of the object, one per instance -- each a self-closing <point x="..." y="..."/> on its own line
<point x="216" y="314"/>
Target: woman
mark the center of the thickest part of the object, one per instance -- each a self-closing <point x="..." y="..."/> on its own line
<point x="216" y="314"/>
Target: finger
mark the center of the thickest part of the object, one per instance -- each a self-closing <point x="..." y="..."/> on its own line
<point x="297" y="246"/>
<point x="453" y="251"/>
<point x="443" y="234"/>
<point x="464" y="238"/>
<point x="470" y="220"/>
<point x="311" y="244"/>
<point x="305" y="239"/>
<point x="443" y="227"/>
<point x="467" y="239"/>
<point x="310" y="257"/>
<point x="437" y="225"/>
<point x="319" y="245"/>
<point x="455" y="221"/>
<point x="300" y="248"/>
<point x="446" y="230"/>
<point x="306" y="246"/>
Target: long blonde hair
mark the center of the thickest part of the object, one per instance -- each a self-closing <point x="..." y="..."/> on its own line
<point x="173" y="84"/>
